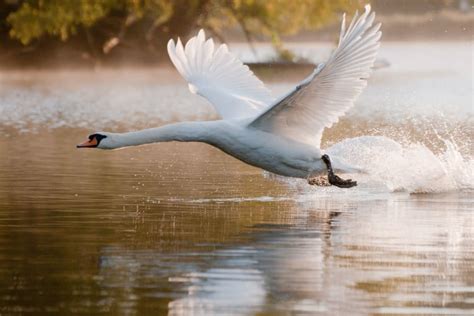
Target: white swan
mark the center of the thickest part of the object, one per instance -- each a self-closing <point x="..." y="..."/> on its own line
<point x="279" y="135"/>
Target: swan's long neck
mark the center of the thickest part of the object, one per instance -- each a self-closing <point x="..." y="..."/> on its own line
<point x="182" y="132"/>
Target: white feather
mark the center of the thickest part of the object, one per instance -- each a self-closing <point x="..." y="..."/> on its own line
<point x="220" y="77"/>
<point x="319" y="100"/>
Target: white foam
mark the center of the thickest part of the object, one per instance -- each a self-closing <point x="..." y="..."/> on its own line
<point x="413" y="168"/>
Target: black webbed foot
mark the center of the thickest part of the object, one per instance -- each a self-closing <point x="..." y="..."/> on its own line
<point x="334" y="179"/>
<point x="339" y="182"/>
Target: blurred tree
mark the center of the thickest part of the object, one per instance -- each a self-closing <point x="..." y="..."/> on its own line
<point x="107" y="24"/>
<point x="59" y="18"/>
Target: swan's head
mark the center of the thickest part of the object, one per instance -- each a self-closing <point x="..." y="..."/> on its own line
<point x="98" y="140"/>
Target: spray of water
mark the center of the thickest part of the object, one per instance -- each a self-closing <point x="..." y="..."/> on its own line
<point x="410" y="168"/>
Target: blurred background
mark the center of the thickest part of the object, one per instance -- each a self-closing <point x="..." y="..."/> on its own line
<point x="81" y="33"/>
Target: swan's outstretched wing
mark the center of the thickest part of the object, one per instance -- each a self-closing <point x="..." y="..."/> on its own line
<point x="220" y="77"/>
<point x="319" y="100"/>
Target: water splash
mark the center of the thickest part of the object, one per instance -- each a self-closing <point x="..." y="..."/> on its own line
<point x="411" y="168"/>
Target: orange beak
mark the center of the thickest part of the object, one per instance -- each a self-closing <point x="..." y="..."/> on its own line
<point x="88" y="143"/>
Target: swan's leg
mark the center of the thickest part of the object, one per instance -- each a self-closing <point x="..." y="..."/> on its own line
<point x="334" y="179"/>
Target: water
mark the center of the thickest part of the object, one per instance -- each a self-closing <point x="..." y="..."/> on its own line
<point x="182" y="228"/>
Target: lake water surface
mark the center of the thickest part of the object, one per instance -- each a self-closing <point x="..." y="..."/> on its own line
<point x="183" y="229"/>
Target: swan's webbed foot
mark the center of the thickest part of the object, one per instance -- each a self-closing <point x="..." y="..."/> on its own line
<point x="334" y="179"/>
<point x="337" y="181"/>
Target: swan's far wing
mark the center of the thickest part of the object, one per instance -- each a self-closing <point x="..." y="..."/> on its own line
<point x="319" y="100"/>
<point x="217" y="75"/>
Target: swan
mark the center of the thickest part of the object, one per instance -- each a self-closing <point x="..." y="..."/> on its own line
<point x="281" y="135"/>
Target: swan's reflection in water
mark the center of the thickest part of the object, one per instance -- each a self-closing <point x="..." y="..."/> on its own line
<point x="237" y="287"/>
<point x="404" y="255"/>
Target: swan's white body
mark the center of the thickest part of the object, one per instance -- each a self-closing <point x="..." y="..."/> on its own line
<point x="279" y="135"/>
<point x="257" y="148"/>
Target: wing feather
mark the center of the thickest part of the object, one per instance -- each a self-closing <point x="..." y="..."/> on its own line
<point x="319" y="100"/>
<point x="218" y="76"/>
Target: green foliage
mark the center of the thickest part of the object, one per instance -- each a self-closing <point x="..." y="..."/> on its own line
<point x="56" y="17"/>
<point x="34" y="19"/>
